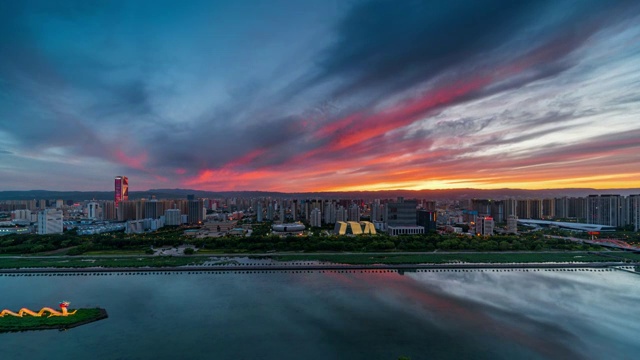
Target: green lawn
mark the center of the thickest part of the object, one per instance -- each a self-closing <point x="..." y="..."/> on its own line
<point x="115" y="252"/>
<point x="85" y="262"/>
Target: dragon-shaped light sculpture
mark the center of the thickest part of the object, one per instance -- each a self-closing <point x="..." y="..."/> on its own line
<point x="24" y="311"/>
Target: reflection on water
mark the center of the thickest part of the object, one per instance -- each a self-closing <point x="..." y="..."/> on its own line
<point x="335" y="315"/>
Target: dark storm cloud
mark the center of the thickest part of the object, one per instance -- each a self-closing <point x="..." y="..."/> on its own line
<point x="394" y="44"/>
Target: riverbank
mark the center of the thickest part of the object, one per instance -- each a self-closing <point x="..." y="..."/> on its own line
<point x="322" y="268"/>
<point x="30" y="323"/>
<point x="289" y="259"/>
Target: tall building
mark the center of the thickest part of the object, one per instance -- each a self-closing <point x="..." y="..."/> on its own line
<point x="121" y="189"/>
<point x="577" y="208"/>
<point x="22" y="214"/>
<point x="270" y="211"/>
<point x="153" y="209"/>
<point x="401" y="213"/>
<point x="126" y="210"/>
<point x="294" y="210"/>
<point x="316" y="217"/>
<point x="562" y="207"/>
<point x="523" y="210"/>
<point x="484" y="226"/>
<point x="341" y="214"/>
<point x="93" y="209"/>
<point x="195" y="213"/>
<point x="535" y="209"/>
<point x="259" y="214"/>
<point x="512" y="224"/>
<point x="549" y="208"/>
<point x="606" y="210"/>
<point x="354" y="213"/>
<point x="427" y="219"/>
<point x="50" y="222"/>
<point x="376" y="210"/>
<point x="329" y="212"/>
<point x="401" y="218"/>
<point x="109" y="210"/>
<point x="172" y="217"/>
<point x="634" y="211"/>
<point x="510" y="207"/>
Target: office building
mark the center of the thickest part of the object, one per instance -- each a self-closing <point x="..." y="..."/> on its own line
<point x="401" y="218"/>
<point x="427" y="219"/>
<point x="484" y="226"/>
<point x="50" y="222"/>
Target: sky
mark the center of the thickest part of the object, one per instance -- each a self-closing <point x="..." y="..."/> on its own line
<point x="319" y="95"/>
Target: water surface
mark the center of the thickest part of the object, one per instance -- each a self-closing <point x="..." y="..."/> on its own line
<point x="335" y="315"/>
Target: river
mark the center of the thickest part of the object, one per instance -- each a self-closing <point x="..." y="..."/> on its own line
<point x="335" y="315"/>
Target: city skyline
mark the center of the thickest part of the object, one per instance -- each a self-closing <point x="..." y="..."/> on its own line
<point x="320" y="96"/>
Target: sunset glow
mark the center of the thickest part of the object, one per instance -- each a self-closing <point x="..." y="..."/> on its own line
<point x="312" y="96"/>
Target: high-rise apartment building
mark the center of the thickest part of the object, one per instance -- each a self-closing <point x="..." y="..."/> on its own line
<point x="634" y="211"/>
<point x="109" y="210"/>
<point x="548" y="208"/>
<point x="172" y="217"/>
<point x="606" y="210"/>
<point x="126" y="210"/>
<point x="121" y="189"/>
<point x="195" y="213"/>
<point x="93" y="210"/>
<point x="153" y="209"/>
<point x="316" y="217"/>
<point x="354" y="213"/>
<point x="512" y="224"/>
<point x="259" y="214"/>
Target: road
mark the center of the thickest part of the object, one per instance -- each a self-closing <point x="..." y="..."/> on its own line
<point x="612" y="243"/>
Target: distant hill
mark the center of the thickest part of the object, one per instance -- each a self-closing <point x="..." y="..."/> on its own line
<point x="453" y="194"/>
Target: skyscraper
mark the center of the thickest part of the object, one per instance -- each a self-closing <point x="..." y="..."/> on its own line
<point x="316" y="218"/>
<point x="195" y="212"/>
<point x="121" y="189"/>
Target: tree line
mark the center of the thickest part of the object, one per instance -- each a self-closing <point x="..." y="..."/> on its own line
<point x="261" y="241"/>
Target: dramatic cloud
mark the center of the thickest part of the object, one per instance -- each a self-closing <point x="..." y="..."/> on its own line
<point x="317" y="95"/>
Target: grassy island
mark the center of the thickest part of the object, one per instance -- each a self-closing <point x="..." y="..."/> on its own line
<point x="31" y="323"/>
